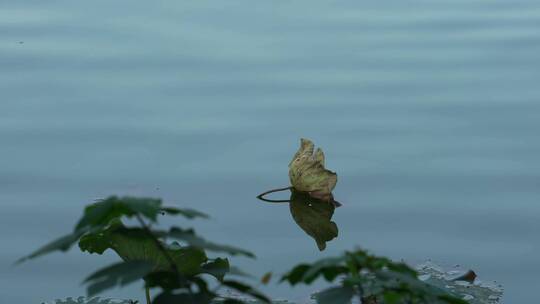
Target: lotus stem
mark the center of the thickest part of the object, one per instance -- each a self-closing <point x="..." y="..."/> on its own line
<point x="147" y="293"/>
<point x="261" y="196"/>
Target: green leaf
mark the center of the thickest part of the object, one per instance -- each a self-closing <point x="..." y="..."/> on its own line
<point x="168" y="297"/>
<point x="329" y="268"/>
<point x="62" y="244"/>
<point x="331" y="273"/>
<point x="99" y="240"/>
<point x="246" y="289"/>
<point x="167" y="280"/>
<point x="403" y="269"/>
<point x="217" y="268"/>
<point x="231" y="301"/>
<point x="94" y="243"/>
<point x="452" y="300"/>
<point x="362" y="260"/>
<point x="331" y="265"/>
<point x="308" y="174"/>
<point x="378" y="277"/>
<point x="188" y="213"/>
<point x="119" y="274"/>
<point x="335" y="295"/>
<point x="314" y="217"/>
<point x="136" y="244"/>
<point x="415" y="287"/>
<point x="189" y="237"/>
<point x="102" y="212"/>
<point x="391" y="297"/>
<point x="296" y="274"/>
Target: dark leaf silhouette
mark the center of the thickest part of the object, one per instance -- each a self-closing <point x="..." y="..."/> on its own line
<point x="189" y="237"/>
<point x="63" y="244"/>
<point x="335" y="295"/>
<point x="375" y="278"/>
<point x="188" y="213"/>
<point x="102" y="212"/>
<point x="246" y="289"/>
<point x="118" y="274"/>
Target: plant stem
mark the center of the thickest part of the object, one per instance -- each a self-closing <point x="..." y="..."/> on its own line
<point x="261" y="196"/>
<point x="147" y="293"/>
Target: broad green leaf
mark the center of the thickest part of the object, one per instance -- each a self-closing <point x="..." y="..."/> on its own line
<point x="314" y="217"/>
<point x="135" y="244"/>
<point x="412" y="287"/>
<point x="362" y="260"/>
<point x="102" y="212"/>
<point x="308" y="174"/>
<point x="188" y="213"/>
<point x="218" y="268"/>
<point x="451" y="300"/>
<point x="189" y="237"/>
<point x="335" y="295"/>
<point x="167" y="280"/>
<point x="331" y="273"/>
<point x="62" y="244"/>
<point x="391" y="297"/>
<point x="378" y="277"/>
<point x="403" y="269"/>
<point x="246" y="289"/>
<point x="95" y="242"/>
<point x="329" y="268"/>
<point x="119" y="274"/>
<point x="231" y="301"/>
<point x="332" y="265"/>
<point x="296" y="274"/>
<point x="168" y="297"/>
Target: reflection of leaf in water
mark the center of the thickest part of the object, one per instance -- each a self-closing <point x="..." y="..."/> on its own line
<point x="314" y="217"/>
<point x="308" y="174"/>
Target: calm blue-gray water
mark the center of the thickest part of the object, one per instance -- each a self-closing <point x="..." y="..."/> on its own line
<point x="429" y="111"/>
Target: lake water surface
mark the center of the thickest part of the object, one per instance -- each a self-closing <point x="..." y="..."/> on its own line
<point x="429" y="111"/>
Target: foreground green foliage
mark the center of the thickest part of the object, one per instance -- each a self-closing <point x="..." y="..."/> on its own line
<point x="176" y="268"/>
<point x="372" y="279"/>
<point x="476" y="292"/>
<point x="180" y="268"/>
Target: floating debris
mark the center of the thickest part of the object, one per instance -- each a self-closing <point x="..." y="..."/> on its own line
<point x="461" y="283"/>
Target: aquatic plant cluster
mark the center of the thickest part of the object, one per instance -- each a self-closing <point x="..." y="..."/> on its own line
<point x="174" y="261"/>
